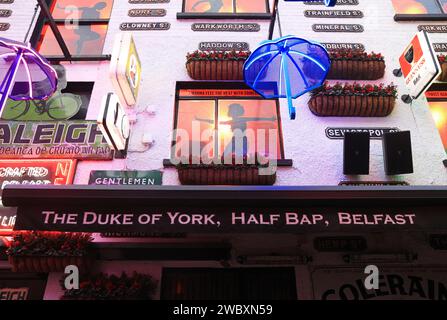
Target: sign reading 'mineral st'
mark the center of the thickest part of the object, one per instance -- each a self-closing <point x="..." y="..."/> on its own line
<point x="53" y="140"/>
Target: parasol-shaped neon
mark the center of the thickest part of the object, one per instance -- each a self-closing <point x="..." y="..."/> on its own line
<point x="24" y="73"/>
<point x="287" y="67"/>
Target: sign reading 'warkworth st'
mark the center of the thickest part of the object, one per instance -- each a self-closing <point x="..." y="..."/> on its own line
<point x="235" y="27"/>
<point x="440" y="28"/>
<point x="54" y="140"/>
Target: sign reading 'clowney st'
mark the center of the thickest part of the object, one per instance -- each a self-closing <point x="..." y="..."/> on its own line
<point x="55" y="140"/>
<point x="203" y="220"/>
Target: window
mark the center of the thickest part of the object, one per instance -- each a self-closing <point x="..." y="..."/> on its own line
<point x="420" y="9"/>
<point x="242" y="9"/>
<point x="81" y="23"/>
<point x="211" y="115"/>
<point x="439" y="112"/>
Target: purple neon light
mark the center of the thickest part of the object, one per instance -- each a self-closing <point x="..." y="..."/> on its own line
<point x="33" y="77"/>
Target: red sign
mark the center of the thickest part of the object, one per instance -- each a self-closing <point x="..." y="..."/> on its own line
<point x="36" y="172"/>
<point x="419" y="64"/>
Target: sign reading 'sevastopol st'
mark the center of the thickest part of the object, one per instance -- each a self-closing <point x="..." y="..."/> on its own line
<point x="53" y="140"/>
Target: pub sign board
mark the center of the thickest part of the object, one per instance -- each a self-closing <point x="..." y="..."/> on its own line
<point x="53" y="140"/>
<point x="36" y="172"/>
<point x="129" y="178"/>
<point x="104" y="218"/>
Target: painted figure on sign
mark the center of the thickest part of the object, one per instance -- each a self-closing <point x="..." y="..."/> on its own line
<point x="215" y="5"/>
<point x="85" y="32"/>
<point x="238" y="123"/>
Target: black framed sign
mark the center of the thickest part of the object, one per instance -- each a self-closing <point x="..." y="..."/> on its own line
<point x="144" y="26"/>
<point x="221" y="27"/>
<point x="356" y="28"/>
<point x="147" y="12"/>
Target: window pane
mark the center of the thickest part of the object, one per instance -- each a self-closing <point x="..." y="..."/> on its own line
<point x="83" y="40"/>
<point x="249" y="116"/>
<point x="416" y="6"/>
<point x="439" y="112"/>
<point x="81" y="9"/>
<point x="444" y="5"/>
<point x="209" y="6"/>
<point x="251" y="6"/>
<point x="199" y="114"/>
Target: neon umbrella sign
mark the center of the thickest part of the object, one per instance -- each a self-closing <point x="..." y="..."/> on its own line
<point x="24" y="73"/>
<point x="287" y="67"/>
<point x="327" y="3"/>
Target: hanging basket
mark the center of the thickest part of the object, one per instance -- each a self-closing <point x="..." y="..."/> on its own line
<point x="352" y="106"/>
<point x="47" y="264"/>
<point x="356" y="70"/>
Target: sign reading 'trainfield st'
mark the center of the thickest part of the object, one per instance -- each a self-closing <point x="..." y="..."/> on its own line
<point x="36" y="172"/>
<point x="53" y="140"/>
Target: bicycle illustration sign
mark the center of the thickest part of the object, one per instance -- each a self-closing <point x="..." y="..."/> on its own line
<point x="60" y="106"/>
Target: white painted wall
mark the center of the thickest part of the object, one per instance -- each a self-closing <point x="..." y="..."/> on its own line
<point x="163" y="59"/>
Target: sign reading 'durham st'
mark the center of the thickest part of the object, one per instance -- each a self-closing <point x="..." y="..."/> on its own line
<point x="36" y="172"/>
<point x="53" y="140"/>
<point x="231" y="220"/>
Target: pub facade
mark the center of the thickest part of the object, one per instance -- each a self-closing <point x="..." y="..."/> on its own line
<point x="357" y="179"/>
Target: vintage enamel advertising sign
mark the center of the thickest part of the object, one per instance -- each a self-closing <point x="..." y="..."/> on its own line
<point x="419" y="64"/>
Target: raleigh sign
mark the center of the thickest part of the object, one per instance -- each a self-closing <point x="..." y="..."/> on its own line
<point x="54" y="140"/>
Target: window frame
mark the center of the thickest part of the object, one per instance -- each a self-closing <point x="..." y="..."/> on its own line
<point x="227" y="85"/>
<point x="45" y="21"/>
<point x="398" y="17"/>
<point x="216" y="16"/>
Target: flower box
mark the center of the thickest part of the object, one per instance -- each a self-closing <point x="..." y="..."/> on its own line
<point x="111" y="287"/>
<point x="48" y="264"/>
<point x="443" y="62"/>
<point x="217" y="65"/>
<point x="353" y="100"/>
<point x="356" y="65"/>
<point x="49" y="251"/>
<point x="246" y="173"/>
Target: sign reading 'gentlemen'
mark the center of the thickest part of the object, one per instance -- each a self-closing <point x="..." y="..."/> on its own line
<point x="237" y="27"/>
